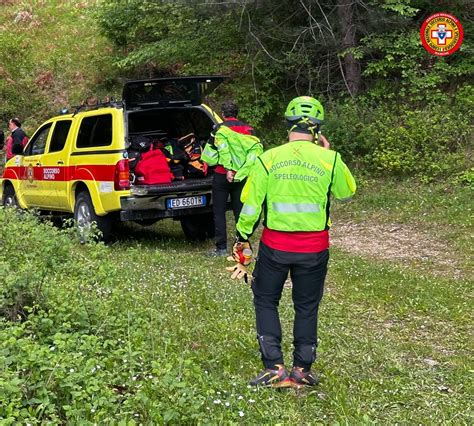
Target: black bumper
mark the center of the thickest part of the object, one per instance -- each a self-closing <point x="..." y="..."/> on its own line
<point x="126" y="215"/>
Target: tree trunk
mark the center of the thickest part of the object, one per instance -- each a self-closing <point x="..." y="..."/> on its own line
<point x="345" y="10"/>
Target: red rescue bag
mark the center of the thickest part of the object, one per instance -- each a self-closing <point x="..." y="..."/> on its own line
<point x="153" y="168"/>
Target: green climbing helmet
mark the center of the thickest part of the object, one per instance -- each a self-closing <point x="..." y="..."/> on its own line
<point x="304" y="109"/>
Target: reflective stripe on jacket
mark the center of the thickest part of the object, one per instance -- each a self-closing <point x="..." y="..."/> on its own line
<point x="292" y="183"/>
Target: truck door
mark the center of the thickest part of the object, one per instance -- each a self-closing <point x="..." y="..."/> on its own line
<point x="32" y="183"/>
<point x="55" y="173"/>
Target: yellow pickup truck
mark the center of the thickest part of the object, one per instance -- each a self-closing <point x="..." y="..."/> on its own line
<point x="78" y="163"/>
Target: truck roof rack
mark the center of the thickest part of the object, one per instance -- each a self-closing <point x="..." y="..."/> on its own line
<point x="92" y="103"/>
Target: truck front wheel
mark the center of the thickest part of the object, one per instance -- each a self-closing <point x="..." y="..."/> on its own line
<point x="9" y="197"/>
<point x="85" y="216"/>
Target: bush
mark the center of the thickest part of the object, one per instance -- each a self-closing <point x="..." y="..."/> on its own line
<point x="78" y="334"/>
<point x="49" y="319"/>
<point x="429" y="142"/>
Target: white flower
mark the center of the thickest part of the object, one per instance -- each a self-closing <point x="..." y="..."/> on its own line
<point x="240" y="397"/>
<point x="251" y="401"/>
<point x="241" y="414"/>
<point x="227" y="403"/>
<point x="92" y="410"/>
<point x="217" y="401"/>
<point x="71" y="370"/>
<point x="52" y="348"/>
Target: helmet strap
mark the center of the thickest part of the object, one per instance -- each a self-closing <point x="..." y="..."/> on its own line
<point x="305" y="127"/>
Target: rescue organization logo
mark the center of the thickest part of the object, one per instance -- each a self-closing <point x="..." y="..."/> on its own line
<point x="441" y="34"/>
<point x="30" y="175"/>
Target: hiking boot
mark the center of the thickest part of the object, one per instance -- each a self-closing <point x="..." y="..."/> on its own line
<point x="277" y="378"/>
<point x="217" y="253"/>
<point x="300" y="378"/>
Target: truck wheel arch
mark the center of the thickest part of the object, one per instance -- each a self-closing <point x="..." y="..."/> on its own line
<point x="81" y="186"/>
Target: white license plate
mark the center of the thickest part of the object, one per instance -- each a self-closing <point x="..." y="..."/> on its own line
<point x="186" y="202"/>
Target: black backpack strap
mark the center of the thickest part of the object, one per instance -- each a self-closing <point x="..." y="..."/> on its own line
<point x="213" y="133"/>
<point x="328" y="204"/>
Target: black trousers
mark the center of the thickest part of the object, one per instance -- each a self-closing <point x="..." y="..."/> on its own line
<point x="308" y="272"/>
<point x="221" y="189"/>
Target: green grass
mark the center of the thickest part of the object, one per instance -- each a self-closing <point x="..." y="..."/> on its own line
<point x="154" y="331"/>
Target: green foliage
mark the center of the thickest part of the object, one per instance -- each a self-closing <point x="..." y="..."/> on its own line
<point x="465" y="178"/>
<point x="379" y="132"/>
<point x="269" y="55"/>
<point x="167" y="37"/>
<point x="52" y="57"/>
<point x="418" y="143"/>
<point x="429" y="142"/>
<point x="173" y="38"/>
<point x="260" y="105"/>
<point x="402" y="7"/>
<point x="46" y="277"/>
<point x="405" y="73"/>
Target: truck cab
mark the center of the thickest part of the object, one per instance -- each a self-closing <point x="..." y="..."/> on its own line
<point x="79" y="163"/>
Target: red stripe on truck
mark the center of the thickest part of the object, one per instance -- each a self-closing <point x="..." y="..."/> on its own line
<point x="61" y="173"/>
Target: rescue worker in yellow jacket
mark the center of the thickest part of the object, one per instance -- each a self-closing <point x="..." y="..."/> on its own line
<point x="292" y="183"/>
<point x="232" y="149"/>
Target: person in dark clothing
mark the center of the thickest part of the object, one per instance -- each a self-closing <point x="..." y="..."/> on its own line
<point x="17" y="139"/>
<point x="236" y="149"/>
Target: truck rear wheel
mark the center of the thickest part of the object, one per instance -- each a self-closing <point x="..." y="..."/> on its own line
<point x="85" y="216"/>
<point x="198" y="227"/>
<point x="9" y="197"/>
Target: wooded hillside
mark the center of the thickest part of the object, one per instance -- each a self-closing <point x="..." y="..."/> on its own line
<point x="392" y="108"/>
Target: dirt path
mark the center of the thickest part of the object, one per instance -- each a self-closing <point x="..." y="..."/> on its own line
<point x="401" y="243"/>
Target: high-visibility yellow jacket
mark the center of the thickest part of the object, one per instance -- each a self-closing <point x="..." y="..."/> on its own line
<point x="293" y="183"/>
<point x="233" y="150"/>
